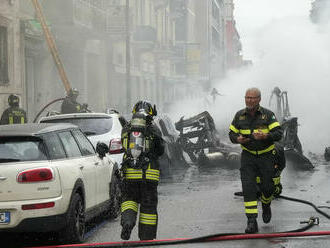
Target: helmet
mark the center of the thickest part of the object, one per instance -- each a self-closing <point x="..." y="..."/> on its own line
<point x="13" y="100"/>
<point x="73" y="92"/>
<point x="147" y="106"/>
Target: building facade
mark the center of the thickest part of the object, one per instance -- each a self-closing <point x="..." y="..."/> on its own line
<point x="11" y="54"/>
<point x="176" y="49"/>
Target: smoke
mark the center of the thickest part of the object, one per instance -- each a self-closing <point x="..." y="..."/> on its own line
<point x="290" y="52"/>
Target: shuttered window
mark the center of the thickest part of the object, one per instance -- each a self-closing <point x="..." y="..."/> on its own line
<point x="3" y="55"/>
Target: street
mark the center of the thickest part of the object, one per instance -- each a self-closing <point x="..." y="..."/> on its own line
<point x="201" y="201"/>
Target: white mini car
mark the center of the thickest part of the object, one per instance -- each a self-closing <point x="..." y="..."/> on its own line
<point x="51" y="179"/>
<point x="97" y="127"/>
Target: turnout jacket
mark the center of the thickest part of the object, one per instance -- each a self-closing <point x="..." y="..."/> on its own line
<point x="70" y="106"/>
<point x="148" y="160"/>
<point x="13" y="115"/>
<point x="245" y="124"/>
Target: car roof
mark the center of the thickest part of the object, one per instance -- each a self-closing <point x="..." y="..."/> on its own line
<point x="78" y="115"/>
<point x="33" y="129"/>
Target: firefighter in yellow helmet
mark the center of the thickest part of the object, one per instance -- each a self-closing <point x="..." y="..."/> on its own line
<point x="143" y="145"/>
<point x="14" y="114"/>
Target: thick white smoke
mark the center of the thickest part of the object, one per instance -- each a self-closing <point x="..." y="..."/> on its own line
<point x="288" y="51"/>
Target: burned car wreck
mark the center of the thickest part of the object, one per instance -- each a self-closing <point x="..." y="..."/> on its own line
<point x="290" y="141"/>
<point x="201" y="141"/>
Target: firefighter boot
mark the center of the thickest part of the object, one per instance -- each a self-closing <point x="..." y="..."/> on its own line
<point x="266" y="213"/>
<point x="126" y="232"/>
<point x="252" y="226"/>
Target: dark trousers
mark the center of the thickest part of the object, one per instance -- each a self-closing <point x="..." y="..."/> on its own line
<point x="145" y="195"/>
<point x="251" y="167"/>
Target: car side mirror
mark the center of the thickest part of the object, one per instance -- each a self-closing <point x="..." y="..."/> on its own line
<point x="102" y="149"/>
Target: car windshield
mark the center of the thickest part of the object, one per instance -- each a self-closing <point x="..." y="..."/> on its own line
<point x="90" y="126"/>
<point x="13" y="149"/>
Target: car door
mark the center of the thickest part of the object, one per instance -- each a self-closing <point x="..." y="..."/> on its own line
<point x="86" y="165"/>
<point x="102" y="166"/>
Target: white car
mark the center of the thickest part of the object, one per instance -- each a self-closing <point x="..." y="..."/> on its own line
<point x="51" y="179"/>
<point x="97" y="127"/>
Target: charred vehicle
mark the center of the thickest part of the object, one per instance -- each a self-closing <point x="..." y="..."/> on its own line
<point x="290" y="141"/>
<point x="201" y="141"/>
<point x="172" y="158"/>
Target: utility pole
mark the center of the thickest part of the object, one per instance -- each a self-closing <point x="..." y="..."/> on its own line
<point x="128" y="58"/>
<point x="51" y="45"/>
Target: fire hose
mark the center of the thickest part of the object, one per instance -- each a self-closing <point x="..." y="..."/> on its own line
<point x="300" y="232"/>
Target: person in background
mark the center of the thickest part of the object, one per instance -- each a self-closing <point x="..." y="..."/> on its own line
<point x="70" y="104"/>
<point x="14" y="114"/>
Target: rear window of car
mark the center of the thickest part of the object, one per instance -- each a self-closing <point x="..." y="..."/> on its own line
<point x="14" y="149"/>
<point x="89" y="126"/>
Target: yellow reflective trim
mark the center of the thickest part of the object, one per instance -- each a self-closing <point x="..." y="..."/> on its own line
<point x="153" y="172"/>
<point x="131" y="170"/>
<point x="266" y="200"/>
<point x="258" y="180"/>
<point x="131" y="145"/>
<point x="251" y="204"/>
<point x="245" y="131"/>
<point x="273" y="125"/>
<point x="148" y="216"/>
<point x="125" y="143"/>
<point x="152" y="178"/>
<point x="251" y="211"/>
<point x="270" y="148"/>
<point x="262" y="130"/>
<point x="233" y="128"/>
<point x="277" y="180"/>
<point x="148" y="222"/>
<point x="148" y="219"/>
<point x="129" y="205"/>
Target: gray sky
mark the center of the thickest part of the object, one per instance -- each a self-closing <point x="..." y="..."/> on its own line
<point x="254" y="15"/>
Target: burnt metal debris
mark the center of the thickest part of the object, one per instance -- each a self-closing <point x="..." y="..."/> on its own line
<point x="290" y="141"/>
<point x="201" y="141"/>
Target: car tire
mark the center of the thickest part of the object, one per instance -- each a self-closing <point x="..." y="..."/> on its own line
<point x="115" y="196"/>
<point x="74" y="232"/>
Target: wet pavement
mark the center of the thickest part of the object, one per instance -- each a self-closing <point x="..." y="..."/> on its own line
<point x="200" y="201"/>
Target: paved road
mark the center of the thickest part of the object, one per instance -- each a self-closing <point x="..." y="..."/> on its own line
<point x="200" y="201"/>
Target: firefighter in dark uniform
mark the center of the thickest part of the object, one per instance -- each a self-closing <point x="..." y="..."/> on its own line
<point x="143" y="145"/>
<point x="70" y="104"/>
<point x="14" y="114"/>
<point x="256" y="129"/>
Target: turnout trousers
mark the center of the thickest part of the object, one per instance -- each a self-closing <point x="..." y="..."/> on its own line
<point x="252" y="166"/>
<point x="141" y="194"/>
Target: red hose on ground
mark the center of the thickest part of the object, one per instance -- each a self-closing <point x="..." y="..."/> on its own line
<point x="220" y="238"/>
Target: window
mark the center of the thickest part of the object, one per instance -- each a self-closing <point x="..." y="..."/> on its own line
<point x="70" y="145"/>
<point x="86" y="147"/>
<point x="54" y="146"/>
<point x="4" y="79"/>
<point x="13" y="149"/>
<point x="89" y="126"/>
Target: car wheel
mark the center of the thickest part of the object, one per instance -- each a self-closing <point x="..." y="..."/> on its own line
<point x="115" y="196"/>
<point x="75" y="229"/>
